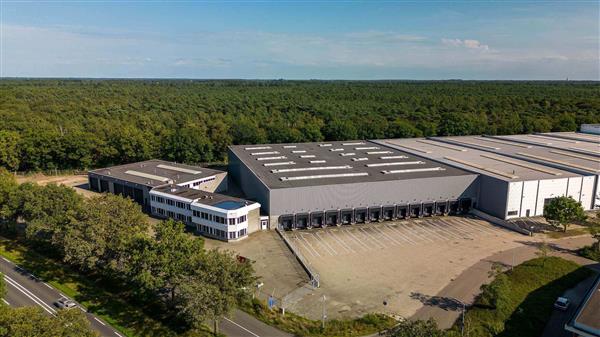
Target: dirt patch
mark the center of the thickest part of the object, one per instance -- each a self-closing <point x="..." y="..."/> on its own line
<point x="279" y="270"/>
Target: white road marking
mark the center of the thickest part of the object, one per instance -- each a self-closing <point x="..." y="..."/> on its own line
<point x="452" y="227"/>
<point x="118" y="334"/>
<point x="30" y="295"/>
<point x="5" y="259"/>
<point x="444" y="230"/>
<point x="324" y="244"/>
<point x="309" y="244"/>
<point x="397" y="230"/>
<point x="241" y="327"/>
<point x="412" y="232"/>
<point x="99" y="321"/>
<point x="303" y="245"/>
<point x="418" y="231"/>
<point x="46" y="284"/>
<point x="380" y="230"/>
<point x="5" y="301"/>
<point x="342" y="243"/>
<point x="424" y="228"/>
<point x="372" y="238"/>
<point x="361" y="244"/>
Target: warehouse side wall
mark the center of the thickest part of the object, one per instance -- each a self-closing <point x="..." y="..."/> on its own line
<point x="372" y="194"/>
<point x="252" y="187"/>
<point x="493" y="196"/>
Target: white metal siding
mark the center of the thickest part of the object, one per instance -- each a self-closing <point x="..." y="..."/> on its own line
<point x="550" y="188"/>
<point x="513" y="202"/>
<point x="529" y="198"/>
<point x="574" y="188"/>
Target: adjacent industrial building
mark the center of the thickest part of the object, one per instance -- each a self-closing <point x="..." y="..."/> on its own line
<point x="508" y="187"/>
<point x="183" y="192"/>
<point x="585" y="321"/>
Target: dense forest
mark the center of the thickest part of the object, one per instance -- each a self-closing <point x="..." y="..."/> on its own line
<point x="78" y="124"/>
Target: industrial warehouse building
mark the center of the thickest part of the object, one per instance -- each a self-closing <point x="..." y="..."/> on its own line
<point x="320" y="184"/>
<point x="331" y="183"/>
<point x="183" y="192"/>
<point x="508" y="187"/>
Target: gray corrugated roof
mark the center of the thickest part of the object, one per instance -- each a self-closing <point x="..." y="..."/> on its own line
<point x="206" y="198"/>
<point x="151" y="168"/>
<point x="340" y="157"/>
<point x="483" y="162"/>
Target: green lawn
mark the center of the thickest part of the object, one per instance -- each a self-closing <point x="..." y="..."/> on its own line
<point x="524" y="300"/>
<point x="128" y="319"/>
<point x="300" y="326"/>
<point x="570" y="232"/>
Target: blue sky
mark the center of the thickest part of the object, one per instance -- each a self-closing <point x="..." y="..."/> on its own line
<point x="302" y="39"/>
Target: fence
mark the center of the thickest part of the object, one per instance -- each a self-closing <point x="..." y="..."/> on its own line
<point x="314" y="277"/>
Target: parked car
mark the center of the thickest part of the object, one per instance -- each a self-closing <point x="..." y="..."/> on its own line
<point x="562" y="303"/>
<point x="65" y="303"/>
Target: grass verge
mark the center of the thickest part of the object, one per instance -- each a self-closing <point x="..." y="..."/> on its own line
<point x="128" y="319"/>
<point x="519" y="302"/>
<point x="570" y="232"/>
<point x="303" y="327"/>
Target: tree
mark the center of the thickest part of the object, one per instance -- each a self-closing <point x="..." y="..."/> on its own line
<point x="188" y="144"/>
<point x="561" y="211"/>
<point x="2" y="286"/>
<point x="340" y="129"/>
<point x="415" y="328"/>
<point x="34" y="322"/>
<point x="102" y="237"/>
<point x="162" y="263"/>
<point x="215" y="288"/>
<point x="9" y="149"/>
<point x="8" y="191"/>
<point x="48" y="211"/>
<point x="542" y="252"/>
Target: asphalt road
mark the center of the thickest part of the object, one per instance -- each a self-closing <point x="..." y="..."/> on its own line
<point x="244" y="325"/>
<point x="24" y="289"/>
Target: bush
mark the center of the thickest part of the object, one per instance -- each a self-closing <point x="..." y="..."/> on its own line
<point x="591" y="252"/>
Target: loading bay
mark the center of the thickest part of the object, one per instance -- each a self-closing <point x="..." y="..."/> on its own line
<point x="361" y="239"/>
<point x="360" y="267"/>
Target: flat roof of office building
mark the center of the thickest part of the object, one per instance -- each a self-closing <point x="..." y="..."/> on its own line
<point x="478" y="161"/>
<point x="547" y="140"/>
<point x="156" y="172"/>
<point x="339" y="162"/>
<point x="563" y="159"/>
<point x="206" y="198"/>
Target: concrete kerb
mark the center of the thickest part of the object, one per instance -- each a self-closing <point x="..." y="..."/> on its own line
<point x="314" y="277"/>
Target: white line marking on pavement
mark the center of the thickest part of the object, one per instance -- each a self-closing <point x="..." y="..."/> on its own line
<point x="417" y="231"/>
<point x="380" y="230"/>
<point x="5" y="301"/>
<point x="82" y="310"/>
<point x="397" y="230"/>
<point x="325" y="244"/>
<point x="423" y="228"/>
<point x="5" y="259"/>
<point x="341" y="243"/>
<point x="99" y="321"/>
<point x="303" y="245"/>
<point x="372" y="238"/>
<point x="364" y="245"/>
<point x="30" y="295"/>
<point x="310" y="245"/>
<point x="46" y="284"/>
<point x="241" y="327"/>
<point x="118" y="334"/>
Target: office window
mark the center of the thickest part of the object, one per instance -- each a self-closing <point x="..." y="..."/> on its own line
<point x="231" y="221"/>
<point x="513" y="212"/>
<point x="242" y="232"/>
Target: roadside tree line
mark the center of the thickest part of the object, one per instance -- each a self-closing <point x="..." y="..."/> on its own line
<point x="109" y="236"/>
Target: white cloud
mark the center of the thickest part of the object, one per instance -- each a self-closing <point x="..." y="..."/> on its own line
<point x="467" y="43"/>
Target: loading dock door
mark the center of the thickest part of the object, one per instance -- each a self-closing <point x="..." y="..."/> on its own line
<point x="286" y="222"/>
<point x="453" y="208"/>
<point x="415" y="211"/>
<point x="402" y="212"/>
<point x="332" y="218"/>
<point x="465" y="205"/>
<point x="360" y="215"/>
<point x="441" y="207"/>
<point x="388" y="213"/>
<point x="375" y="214"/>
<point x="301" y="221"/>
<point x="428" y="209"/>
<point x="317" y="219"/>
<point x="346" y="217"/>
